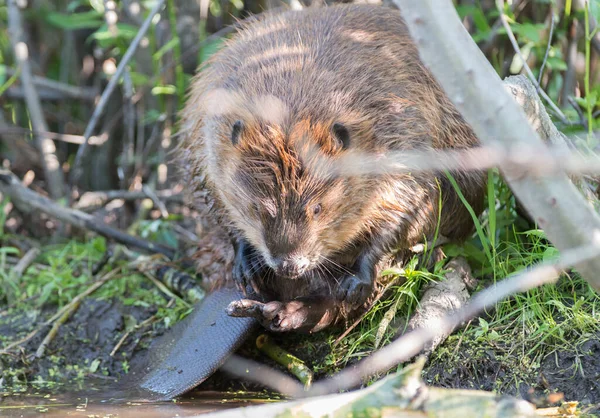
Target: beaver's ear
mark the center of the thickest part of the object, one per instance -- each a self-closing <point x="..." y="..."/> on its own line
<point x="236" y="132"/>
<point x="341" y="133"/>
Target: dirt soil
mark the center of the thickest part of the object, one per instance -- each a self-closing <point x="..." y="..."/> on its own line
<point x="575" y="374"/>
<point x="83" y="345"/>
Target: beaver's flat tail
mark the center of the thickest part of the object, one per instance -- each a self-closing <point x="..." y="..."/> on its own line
<point x="191" y="351"/>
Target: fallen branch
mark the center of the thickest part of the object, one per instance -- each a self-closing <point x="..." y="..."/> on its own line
<point x="24" y="263"/>
<point x="442" y="298"/>
<point x="27" y="200"/>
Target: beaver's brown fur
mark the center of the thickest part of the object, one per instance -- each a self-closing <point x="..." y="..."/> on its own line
<point x="337" y="80"/>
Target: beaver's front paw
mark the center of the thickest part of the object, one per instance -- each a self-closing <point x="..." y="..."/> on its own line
<point x="248" y="268"/>
<point x="354" y="290"/>
<point x="274" y="316"/>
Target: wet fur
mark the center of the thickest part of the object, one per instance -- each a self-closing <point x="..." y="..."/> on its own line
<point x="289" y="78"/>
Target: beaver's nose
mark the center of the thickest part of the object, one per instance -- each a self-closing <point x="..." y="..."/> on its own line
<point x="290" y="266"/>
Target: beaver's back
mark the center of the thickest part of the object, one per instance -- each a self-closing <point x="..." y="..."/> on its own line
<point x="350" y="63"/>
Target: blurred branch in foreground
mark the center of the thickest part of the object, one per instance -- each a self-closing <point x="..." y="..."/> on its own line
<point x="455" y="60"/>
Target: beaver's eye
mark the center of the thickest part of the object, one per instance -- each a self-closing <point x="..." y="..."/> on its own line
<point x="341" y="134"/>
<point x="236" y="131"/>
<point x="316" y="210"/>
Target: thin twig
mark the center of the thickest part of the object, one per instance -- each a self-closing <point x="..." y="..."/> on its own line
<point x="515" y="44"/>
<point x="552" y="22"/>
<point x="249" y="370"/>
<point x="68" y="138"/>
<point x="47" y="149"/>
<point x="67" y="90"/>
<point x="124" y="337"/>
<point x="24" y="263"/>
<point x="76" y="172"/>
<point x="90" y="201"/>
<point x="155" y="199"/>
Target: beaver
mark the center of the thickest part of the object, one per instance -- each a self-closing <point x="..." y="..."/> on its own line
<point x="268" y="123"/>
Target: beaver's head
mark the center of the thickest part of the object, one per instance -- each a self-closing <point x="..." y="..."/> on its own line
<point x="277" y="179"/>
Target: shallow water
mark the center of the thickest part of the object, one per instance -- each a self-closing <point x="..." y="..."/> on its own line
<point x="37" y="404"/>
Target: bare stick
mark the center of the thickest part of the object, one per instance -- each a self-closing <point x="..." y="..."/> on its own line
<point x="76" y="172"/>
<point x="515" y="44"/>
<point x="27" y="200"/>
<point x="90" y="201"/>
<point x="24" y="263"/>
<point x="410" y="344"/>
<point x="67" y="90"/>
<point x="47" y="149"/>
<point x="71" y="139"/>
<point x="459" y="66"/>
<point x="126" y="334"/>
<point x="552" y="21"/>
<point x="252" y="371"/>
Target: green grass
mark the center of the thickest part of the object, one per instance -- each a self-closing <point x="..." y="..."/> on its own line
<point x="526" y="327"/>
<point x="63" y="271"/>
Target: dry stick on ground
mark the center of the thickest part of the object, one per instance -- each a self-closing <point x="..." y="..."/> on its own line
<point x="24" y="263"/>
<point x="28" y="200"/>
<point x="413" y="342"/>
<point x="76" y="172"/>
<point x="474" y="87"/>
<point x="51" y="165"/>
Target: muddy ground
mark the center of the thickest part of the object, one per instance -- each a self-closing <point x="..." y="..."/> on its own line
<point x="81" y="353"/>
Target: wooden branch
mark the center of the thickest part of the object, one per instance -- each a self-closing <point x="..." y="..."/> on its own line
<point x="27" y="200"/>
<point x="474" y="87"/>
<point x="64" y="90"/>
<point x="91" y="201"/>
<point x="46" y="147"/>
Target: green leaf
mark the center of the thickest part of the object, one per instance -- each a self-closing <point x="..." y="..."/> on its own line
<point x="517" y="64"/>
<point x="94" y="366"/>
<point x="84" y="20"/>
<point x="595" y="9"/>
<point x="124" y="31"/>
<point x="550" y="254"/>
<point x="165" y="48"/>
<point x="556" y="63"/>
<point x="529" y="31"/>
